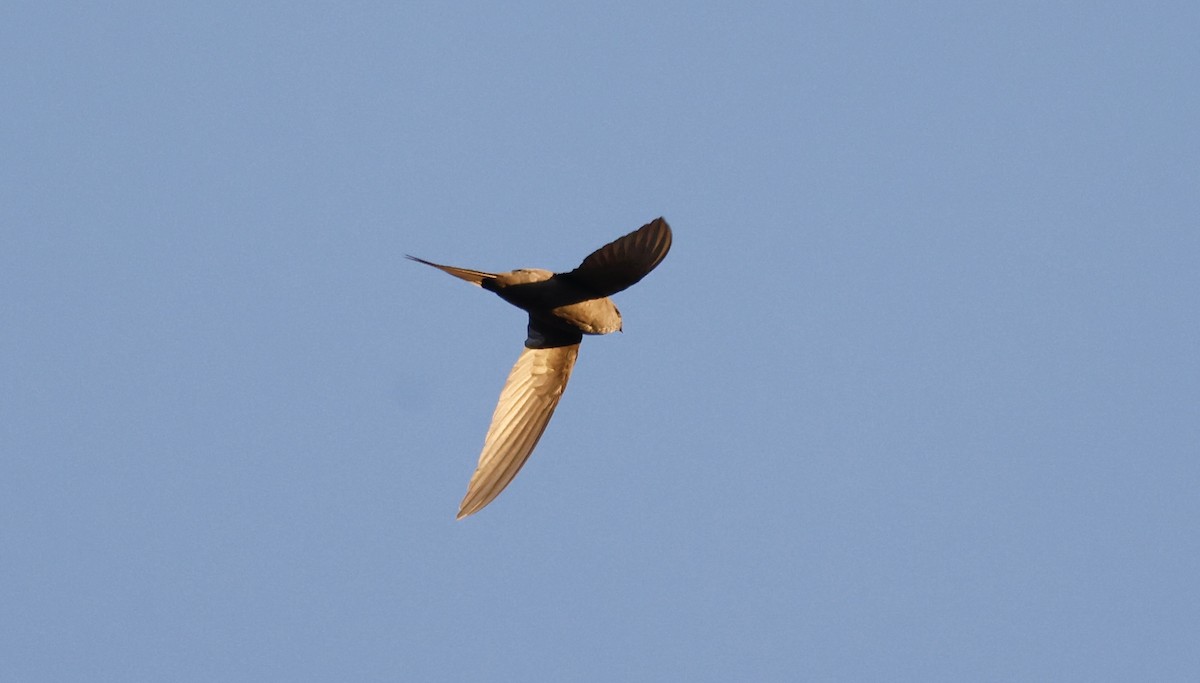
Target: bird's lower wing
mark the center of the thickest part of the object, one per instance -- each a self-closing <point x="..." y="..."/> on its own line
<point x="526" y="404"/>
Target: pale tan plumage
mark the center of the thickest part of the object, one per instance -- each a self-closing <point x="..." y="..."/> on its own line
<point x="562" y="308"/>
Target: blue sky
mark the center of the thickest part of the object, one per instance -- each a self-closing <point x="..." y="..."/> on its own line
<point x="915" y="396"/>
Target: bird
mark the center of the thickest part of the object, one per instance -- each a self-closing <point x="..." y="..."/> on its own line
<point x="562" y="307"/>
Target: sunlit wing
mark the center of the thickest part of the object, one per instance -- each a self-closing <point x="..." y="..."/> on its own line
<point x="527" y="401"/>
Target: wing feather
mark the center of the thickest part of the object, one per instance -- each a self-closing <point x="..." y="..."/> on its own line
<point x="624" y="261"/>
<point x="475" y="277"/>
<point x="527" y="401"/>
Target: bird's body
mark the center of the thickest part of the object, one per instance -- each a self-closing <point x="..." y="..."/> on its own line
<point x="557" y="301"/>
<point x="562" y="308"/>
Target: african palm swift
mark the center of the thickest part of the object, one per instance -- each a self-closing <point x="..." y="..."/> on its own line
<point x="562" y="307"/>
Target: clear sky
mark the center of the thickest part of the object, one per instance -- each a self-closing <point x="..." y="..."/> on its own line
<point x="915" y="396"/>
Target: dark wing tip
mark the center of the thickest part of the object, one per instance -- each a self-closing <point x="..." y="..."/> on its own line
<point x="626" y="260"/>
<point x="660" y="236"/>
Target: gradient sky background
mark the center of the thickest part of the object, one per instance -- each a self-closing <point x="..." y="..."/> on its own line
<point x="915" y="396"/>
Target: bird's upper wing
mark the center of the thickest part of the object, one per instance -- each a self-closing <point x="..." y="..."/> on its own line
<point x="475" y="277"/>
<point x="624" y="261"/>
<point x="526" y="404"/>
